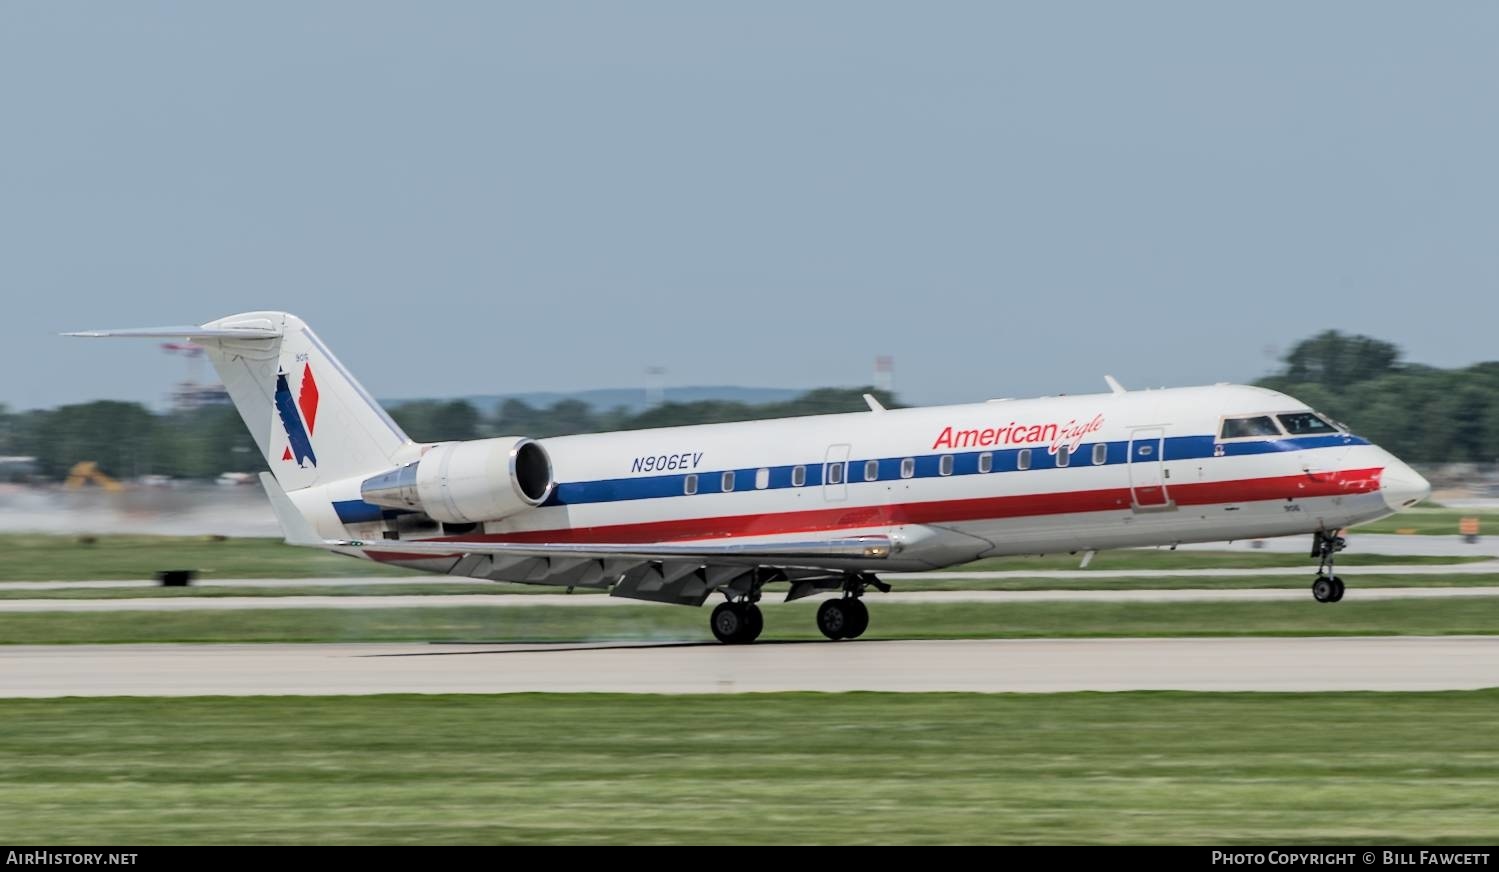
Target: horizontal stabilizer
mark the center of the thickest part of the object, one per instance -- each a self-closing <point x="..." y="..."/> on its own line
<point x="247" y="331"/>
<point x="294" y="525"/>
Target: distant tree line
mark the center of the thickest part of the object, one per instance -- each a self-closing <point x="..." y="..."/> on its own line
<point x="1421" y="413"/>
<point x="128" y="440"/>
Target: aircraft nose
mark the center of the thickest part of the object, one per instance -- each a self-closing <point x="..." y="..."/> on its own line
<point x="1401" y="486"/>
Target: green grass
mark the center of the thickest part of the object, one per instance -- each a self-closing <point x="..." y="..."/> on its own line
<point x="1164" y="558"/>
<point x="766" y="768"/>
<point x="1432" y="522"/>
<point x="1057" y="619"/>
<point x="64" y="558"/>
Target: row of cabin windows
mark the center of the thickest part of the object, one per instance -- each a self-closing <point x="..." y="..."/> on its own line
<point x="945" y="467"/>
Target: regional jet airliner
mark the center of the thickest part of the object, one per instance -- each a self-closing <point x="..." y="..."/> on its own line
<point x="821" y="504"/>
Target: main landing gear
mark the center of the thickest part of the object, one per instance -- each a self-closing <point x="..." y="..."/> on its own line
<point x="739" y="621"/>
<point x="1327" y="587"/>
<point x="848" y="617"/>
<point x="845" y="618"/>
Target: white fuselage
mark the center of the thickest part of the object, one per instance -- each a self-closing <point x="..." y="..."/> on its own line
<point x="948" y="484"/>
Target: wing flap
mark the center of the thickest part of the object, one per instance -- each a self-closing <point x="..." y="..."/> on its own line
<point x="860" y="547"/>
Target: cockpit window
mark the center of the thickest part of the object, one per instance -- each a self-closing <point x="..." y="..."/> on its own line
<point x="1306" y="424"/>
<point x="1243" y="428"/>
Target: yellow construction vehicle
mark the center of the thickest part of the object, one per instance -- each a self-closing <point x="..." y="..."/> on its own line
<point x="88" y="471"/>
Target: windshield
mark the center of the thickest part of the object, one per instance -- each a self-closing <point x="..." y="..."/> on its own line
<point x="1241" y="428"/>
<point x="1306" y="424"/>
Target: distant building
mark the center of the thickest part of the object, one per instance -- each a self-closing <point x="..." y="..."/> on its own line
<point x="187" y="396"/>
<point x="17" y="468"/>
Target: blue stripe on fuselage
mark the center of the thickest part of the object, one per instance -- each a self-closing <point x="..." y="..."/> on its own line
<point x="927" y="466"/>
<point x="361" y="512"/>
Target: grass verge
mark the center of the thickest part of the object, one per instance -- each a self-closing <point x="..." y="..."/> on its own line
<point x="765" y="768"/>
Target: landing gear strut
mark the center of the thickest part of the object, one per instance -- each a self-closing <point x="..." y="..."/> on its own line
<point x="737" y="623"/>
<point x="1326" y="586"/>
<point x="848" y="617"/>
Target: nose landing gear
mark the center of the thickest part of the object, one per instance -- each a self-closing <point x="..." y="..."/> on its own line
<point x="1326" y="586"/>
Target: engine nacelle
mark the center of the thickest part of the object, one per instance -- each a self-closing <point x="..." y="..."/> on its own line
<point x="467" y="482"/>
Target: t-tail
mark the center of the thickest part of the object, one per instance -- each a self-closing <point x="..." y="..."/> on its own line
<point x="313" y="422"/>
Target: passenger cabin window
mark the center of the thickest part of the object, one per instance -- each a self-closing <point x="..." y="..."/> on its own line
<point x="945" y="467"/>
<point x="1023" y="459"/>
<point x="689" y="485"/>
<point x="1306" y="424"/>
<point x="835" y="473"/>
<point x="908" y="467"/>
<point x="871" y="470"/>
<point x="798" y="476"/>
<point x="762" y="478"/>
<point x="1064" y="455"/>
<point x="1100" y="454"/>
<point x="986" y="462"/>
<point x="728" y="481"/>
<point x="1248" y="428"/>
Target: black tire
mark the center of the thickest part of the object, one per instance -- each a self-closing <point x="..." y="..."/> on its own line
<point x="833" y="618"/>
<point x="1337" y="595"/>
<point x="728" y="623"/>
<point x="858" y="618"/>
<point x="754" y="622"/>
<point x="1323" y="589"/>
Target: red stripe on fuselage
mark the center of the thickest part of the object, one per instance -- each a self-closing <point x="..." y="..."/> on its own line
<point x="1352" y="481"/>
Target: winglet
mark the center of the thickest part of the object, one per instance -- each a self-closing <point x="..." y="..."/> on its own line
<point x="1114" y="386"/>
<point x="874" y="404"/>
<point x="294" y="525"/>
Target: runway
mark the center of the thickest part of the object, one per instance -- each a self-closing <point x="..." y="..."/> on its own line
<point x="482" y="601"/>
<point x="1024" y="666"/>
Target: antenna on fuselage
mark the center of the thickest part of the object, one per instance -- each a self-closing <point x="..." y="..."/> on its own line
<point x="874" y="404"/>
<point x="1114" y="385"/>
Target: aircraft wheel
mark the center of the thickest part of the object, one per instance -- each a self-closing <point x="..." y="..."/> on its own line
<point x="833" y="618"/>
<point x="730" y="623"/>
<point x="1337" y="595"/>
<point x="754" y="622"/>
<point x="1324" y="590"/>
<point x="858" y="618"/>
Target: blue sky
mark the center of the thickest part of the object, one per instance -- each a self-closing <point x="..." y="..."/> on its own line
<point x="1011" y="198"/>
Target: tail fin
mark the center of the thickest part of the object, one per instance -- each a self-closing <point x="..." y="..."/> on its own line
<point x="313" y="422"/>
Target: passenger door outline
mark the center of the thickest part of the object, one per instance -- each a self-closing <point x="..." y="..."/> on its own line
<point x="1147" y="470"/>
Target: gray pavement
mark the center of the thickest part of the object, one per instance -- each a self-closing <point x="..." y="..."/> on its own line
<point x="1030" y="666"/>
